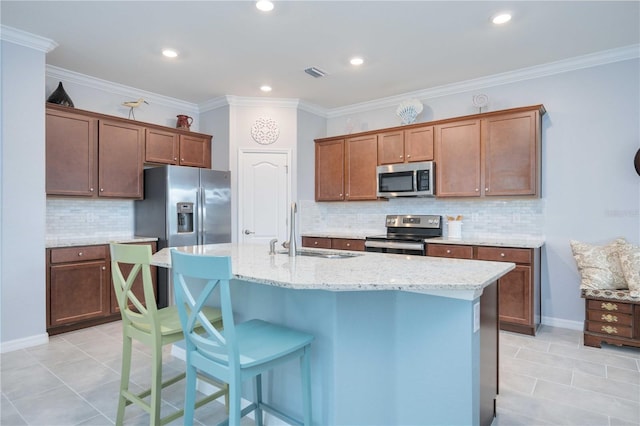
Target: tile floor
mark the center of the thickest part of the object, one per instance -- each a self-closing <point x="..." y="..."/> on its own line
<point x="551" y="379"/>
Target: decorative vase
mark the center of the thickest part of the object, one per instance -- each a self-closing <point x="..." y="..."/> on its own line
<point x="59" y="96"/>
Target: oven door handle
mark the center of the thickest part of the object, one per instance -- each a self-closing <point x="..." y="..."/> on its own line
<point x="394" y="245"/>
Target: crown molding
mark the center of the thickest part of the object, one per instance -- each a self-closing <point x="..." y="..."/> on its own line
<point x="26" y="39"/>
<point x="558" y="67"/>
<point x="118" y="89"/>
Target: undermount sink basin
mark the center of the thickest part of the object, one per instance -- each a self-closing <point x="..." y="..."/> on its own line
<point x="325" y="255"/>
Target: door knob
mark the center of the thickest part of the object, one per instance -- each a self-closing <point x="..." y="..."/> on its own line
<point x="247" y="232"/>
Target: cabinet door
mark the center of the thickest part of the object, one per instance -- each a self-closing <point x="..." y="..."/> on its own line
<point x="418" y="144"/>
<point x="195" y="151"/>
<point x="330" y="170"/>
<point x="78" y="291"/>
<point x="361" y="159"/>
<point x="121" y="161"/>
<point x="71" y="154"/>
<point x="457" y="151"/>
<point x="515" y="296"/>
<point x="510" y="154"/>
<point x="391" y="147"/>
<point x="161" y="147"/>
<point x="138" y="288"/>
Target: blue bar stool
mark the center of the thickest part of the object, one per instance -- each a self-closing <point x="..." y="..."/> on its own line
<point x="239" y="351"/>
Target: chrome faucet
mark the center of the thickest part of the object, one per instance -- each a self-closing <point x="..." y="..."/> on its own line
<point x="291" y="244"/>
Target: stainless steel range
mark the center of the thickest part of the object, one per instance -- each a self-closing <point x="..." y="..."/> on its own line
<point x="406" y="234"/>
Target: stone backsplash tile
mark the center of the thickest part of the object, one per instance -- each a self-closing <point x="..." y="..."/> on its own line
<point x="71" y="217"/>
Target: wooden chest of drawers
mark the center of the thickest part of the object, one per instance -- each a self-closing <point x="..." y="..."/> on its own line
<point x="611" y="321"/>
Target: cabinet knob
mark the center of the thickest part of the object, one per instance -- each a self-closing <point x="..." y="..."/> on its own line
<point x="101" y="189"/>
<point x="486" y="189"/>
<point x="182" y="159"/>
<point x="175" y="158"/>
<point x="477" y="190"/>
<point x="104" y="268"/>
<point x="501" y="254"/>
<point x="348" y="244"/>
<point x="90" y="189"/>
<point x="341" y="195"/>
<point x="315" y="243"/>
<point x="448" y="251"/>
<point x="79" y="253"/>
<point x="401" y="157"/>
<point x="409" y="156"/>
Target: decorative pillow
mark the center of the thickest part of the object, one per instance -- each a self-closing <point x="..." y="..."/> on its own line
<point x="630" y="263"/>
<point x="599" y="266"/>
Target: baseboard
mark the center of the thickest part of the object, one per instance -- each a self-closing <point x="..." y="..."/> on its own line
<point x="563" y="323"/>
<point x="25" y="342"/>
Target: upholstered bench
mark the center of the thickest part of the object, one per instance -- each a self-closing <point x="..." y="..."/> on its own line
<point x="612" y="316"/>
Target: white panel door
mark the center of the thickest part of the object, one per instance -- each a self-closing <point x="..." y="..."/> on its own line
<point x="263" y="196"/>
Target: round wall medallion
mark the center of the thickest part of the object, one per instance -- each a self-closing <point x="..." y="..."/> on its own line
<point x="265" y="131"/>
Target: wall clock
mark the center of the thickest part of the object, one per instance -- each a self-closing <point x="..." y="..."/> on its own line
<point x="265" y="131"/>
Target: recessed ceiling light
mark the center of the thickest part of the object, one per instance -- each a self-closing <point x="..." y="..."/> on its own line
<point x="169" y="53"/>
<point x="264" y="5"/>
<point x="265" y="88"/>
<point x="501" y="18"/>
<point x="356" y="61"/>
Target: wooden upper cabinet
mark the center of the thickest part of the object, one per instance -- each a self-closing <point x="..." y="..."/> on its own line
<point x="161" y="147"/>
<point x="195" y="151"/>
<point x="120" y="154"/>
<point x="418" y="144"/>
<point x="511" y="154"/>
<point x="361" y="159"/>
<point x="71" y="154"/>
<point x="330" y="170"/>
<point x="406" y="146"/>
<point x="457" y="152"/>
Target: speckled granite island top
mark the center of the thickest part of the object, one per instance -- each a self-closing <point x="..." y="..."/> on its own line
<point x="456" y="278"/>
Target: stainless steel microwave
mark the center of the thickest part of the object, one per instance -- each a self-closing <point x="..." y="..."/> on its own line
<point x="406" y="180"/>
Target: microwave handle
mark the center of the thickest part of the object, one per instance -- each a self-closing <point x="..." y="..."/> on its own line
<point x="415" y="180"/>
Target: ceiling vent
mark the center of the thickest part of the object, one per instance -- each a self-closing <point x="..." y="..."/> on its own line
<point x="315" y="72"/>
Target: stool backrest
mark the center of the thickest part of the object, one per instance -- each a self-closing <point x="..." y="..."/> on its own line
<point x="136" y="259"/>
<point x="209" y="273"/>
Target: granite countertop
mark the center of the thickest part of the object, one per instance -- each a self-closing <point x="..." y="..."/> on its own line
<point x="95" y="241"/>
<point x="494" y="240"/>
<point x="455" y="278"/>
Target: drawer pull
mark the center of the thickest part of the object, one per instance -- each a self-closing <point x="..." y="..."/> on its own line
<point x="448" y="251"/>
<point x="609" y="318"/>
<point x="609" y="330"/>
<point x="315" y="243"/>
<point x="80" y="253"/>
<point x="348" y="244"/>
<point x="104" y="268"/>
<point x="502" y="255"/>
<point x="607" y="306"/>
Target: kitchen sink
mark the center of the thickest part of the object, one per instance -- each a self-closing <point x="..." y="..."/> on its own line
<point x="323" y="254"/>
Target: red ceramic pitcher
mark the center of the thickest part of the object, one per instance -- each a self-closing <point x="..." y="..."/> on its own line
<point x="184" y="122"/>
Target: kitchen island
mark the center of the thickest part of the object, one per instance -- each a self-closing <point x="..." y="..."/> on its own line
<point x="399" y="339"/>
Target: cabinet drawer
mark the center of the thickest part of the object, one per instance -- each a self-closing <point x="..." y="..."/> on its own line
<point x="450" y="250"/>
<point x="610" y="329"/>
<point x="613" y="318"/>
<point x="81" y="253"/>
<point x="316" y="242"/>
<point x="602" y="305"/>
<point x="502" y="254"/>
<point x="347" y="244"/>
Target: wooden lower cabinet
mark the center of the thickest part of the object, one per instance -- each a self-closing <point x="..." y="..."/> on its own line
<point x="354" y="244"/>
<point x="519" y="289"/>
<point x="79" y="288"/>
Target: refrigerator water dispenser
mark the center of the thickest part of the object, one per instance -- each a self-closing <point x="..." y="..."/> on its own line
<point x="185" y="217"/>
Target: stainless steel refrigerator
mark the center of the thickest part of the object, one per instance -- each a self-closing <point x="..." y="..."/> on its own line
<point x="183" y="206"/>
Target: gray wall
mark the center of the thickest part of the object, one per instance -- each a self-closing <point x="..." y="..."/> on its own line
<point x="22" y="167"/>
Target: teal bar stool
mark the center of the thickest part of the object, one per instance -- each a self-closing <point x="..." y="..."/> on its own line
<point x="239" y="351"/>
<point x="143" y="321"/>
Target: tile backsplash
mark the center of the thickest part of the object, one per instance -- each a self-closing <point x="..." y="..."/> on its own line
<point x="481" y="218"/>
<point x="72" y="217"/>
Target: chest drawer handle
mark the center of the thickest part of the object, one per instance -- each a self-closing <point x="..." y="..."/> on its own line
<point x="348" y="244"/>
<point x="607" y="306"/>
<point x="609" y="330"/>
<point x="315" y="243"/>
<point x="448" y="251"/>
<point x="609" y="318"/>
<point x="502" y="254"/>
<point x="80" y="253"/>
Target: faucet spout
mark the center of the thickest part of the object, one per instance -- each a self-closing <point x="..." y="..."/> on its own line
<point x="292" y="231"/>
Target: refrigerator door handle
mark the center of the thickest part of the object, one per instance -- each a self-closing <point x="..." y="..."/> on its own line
<point x="201" y="213"/>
